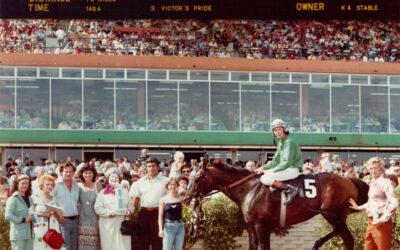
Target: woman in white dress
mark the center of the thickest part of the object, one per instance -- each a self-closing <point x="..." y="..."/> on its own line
<point x="112" y="204"/>
<point x="46" y="184"/>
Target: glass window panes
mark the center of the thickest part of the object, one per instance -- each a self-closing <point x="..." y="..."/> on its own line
<point x="319" y="78"/>
<point x="13" y="153"/>
<point x="131" y="154"/>
<point x="7" y="71"/>
<point x="157" y="74"/>
<point x="98" y="104"/>
<point x="71" y="73"/>
<point x="286" y="105"/>
<point x="340" y="78"/>
<point x="374" y="107"/>
<point x="193" y="106"/>
<point x="240" y="76"/>
<point x="394" y="110"/>
<point x="300" y="78"/>
<point x="259" y="77"/>
<point x="361" y="156"/>
<point x="251" y="155"/>
<point x="7" y="103"/>
<point x="381" y="80"/>
<point x="395" y="80"/>
<point x="36" y="155"/>
<point x="219" y="76"/>
<point x="219" y="154"/>
<point x="29" y="72"/>
<point x="343" y="155"/>
<point x="135" y="74"/>
<point x="32" y="103"/>
<point x="255" y="106"/>
<point x="388" y="156"/>
<point x="93" y="73"/>
<point x="66" y="104"/>
<point x="63" y="153"/>
<point x="163" y="108"/>
<point x="49" y="72"/>
<point x="345" y="109"/>
<point x="315" y="108"/>
<point x="225" y="106"/>
<point x="280" y="77"/>
<point x="359" y="79"/>
<point x="309" y="155"/>
<point x="131" y="105"/>
<point x="198" y="75"/>
<point x="178" y="75"/>
<point x="115" y="73"/>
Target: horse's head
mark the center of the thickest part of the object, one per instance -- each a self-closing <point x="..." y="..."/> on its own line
<point x="199" y="187"/>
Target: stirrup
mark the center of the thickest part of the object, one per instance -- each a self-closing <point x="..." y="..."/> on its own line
<point x="290" y="193"/>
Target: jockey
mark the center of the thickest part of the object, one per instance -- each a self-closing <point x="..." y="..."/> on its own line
<point x="286" y="163"/>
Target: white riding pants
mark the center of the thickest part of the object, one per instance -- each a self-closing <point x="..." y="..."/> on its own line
<point x="269" y="177"/>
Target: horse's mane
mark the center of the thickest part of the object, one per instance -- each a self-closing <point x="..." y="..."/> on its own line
<point x="232" y="169"/>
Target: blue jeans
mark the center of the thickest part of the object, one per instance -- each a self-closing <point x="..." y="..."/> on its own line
<point x="174" y="234"/>
<point x="69" y="231"/>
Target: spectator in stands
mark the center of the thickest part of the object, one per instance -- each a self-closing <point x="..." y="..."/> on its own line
<point x="60" y="33"/>
<point x="38" y="50"/>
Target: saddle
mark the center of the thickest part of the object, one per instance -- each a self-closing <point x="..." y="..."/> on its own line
<point x="299" y="182"/>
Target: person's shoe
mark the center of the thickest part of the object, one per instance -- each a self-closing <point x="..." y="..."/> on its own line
<point x="289" y="191"/>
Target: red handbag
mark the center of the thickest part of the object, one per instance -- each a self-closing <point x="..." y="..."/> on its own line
<point x="53" y="238"/>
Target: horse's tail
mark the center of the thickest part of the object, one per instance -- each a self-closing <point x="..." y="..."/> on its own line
<point x="362" y="189"/>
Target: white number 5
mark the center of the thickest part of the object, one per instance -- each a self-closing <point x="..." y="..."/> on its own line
<point x="309" y="186"/>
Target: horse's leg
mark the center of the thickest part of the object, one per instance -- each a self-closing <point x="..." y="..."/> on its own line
<point x="253" y="239"/>
<point x="324" y="239"/>
<point x="339" y="228"/>
<point x="263" y="236"/>
<point x="347" y="238"/>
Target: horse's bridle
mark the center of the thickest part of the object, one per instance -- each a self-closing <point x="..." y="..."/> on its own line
<point x="225" y="188"/>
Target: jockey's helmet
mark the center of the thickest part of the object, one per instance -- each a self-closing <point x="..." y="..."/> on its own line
<point x="277" y="123"/>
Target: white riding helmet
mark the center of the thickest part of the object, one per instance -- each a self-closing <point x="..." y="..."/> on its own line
<point x="277" y="123"/>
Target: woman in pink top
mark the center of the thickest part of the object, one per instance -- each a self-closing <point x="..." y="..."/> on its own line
<point x="381" y="205"/>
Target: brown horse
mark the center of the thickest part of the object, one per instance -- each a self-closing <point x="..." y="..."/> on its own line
<point x="261" y="208"/>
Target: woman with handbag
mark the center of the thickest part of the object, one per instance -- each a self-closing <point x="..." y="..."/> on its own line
<point x="46" y="219"/>
<point x="170" y="224"/>
<point x="112" y="205"/>
<point x="17" y="212"/>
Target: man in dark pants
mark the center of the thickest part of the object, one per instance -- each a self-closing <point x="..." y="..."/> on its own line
<point x="148" y="190"/>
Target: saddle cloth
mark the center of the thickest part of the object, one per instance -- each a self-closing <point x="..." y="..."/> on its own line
<point x="297" y="182"/>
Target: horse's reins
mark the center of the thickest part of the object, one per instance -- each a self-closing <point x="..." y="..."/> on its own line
<point x="233" y="184"/>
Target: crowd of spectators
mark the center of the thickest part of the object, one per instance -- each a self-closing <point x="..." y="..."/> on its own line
<point x="366" y="41"/>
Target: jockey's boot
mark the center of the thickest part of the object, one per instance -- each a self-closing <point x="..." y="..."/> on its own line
<point x="289" y="190"/>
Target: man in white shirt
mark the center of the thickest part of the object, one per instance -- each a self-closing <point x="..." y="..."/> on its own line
<point x="148" y="190"/>
<point x="326" y="163"/>
<point x="60" y="33"/>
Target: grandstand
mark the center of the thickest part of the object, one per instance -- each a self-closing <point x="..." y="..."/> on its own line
<point x="81" y="97"/>
<point x="366" y="41"/>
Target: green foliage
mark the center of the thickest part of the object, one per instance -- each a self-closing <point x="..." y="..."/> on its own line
<point x="357" y="224"/>
<point x="224" y="222"/>
<point x="4" y="231"/>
